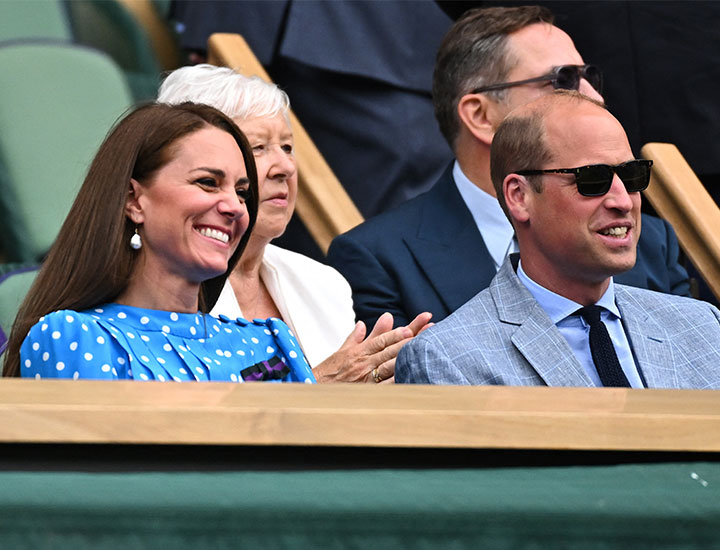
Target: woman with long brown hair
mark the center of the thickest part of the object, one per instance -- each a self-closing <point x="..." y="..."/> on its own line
<point x="312" y="298"/>
<point x="161" y="219"/>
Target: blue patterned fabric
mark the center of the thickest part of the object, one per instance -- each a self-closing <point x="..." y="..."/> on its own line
<point x="115" y="341"/>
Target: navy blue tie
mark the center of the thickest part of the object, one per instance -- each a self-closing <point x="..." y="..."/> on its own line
<point x="603" y="352"/>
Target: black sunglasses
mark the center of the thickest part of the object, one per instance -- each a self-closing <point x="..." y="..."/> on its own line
<point x="565" y="77"/>
<point x="595" y="180"/>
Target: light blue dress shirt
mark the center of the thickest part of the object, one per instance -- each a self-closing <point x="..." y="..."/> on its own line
<point x="577" y="332"/>
<point x="494" y="227"/>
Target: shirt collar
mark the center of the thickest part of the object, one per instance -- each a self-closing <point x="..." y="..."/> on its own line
<point x="496" y="230"/>
<point x="558" y="307"/>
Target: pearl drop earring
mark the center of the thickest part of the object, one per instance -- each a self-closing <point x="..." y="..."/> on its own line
<point x="136" y="241"/>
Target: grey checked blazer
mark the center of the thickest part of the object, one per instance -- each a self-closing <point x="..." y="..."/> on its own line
<point x="502" y="336"/>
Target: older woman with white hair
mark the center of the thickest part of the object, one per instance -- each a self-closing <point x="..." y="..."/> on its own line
<point x="312" y="298"/>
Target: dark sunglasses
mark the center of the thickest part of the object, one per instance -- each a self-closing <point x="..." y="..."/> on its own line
<point x="595" y="180"/>
<point x="565" y="77"/>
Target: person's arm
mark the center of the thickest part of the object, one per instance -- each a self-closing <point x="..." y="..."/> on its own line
<point x="374" y="289"/>
<point x="423" y="362"/>
<point x="300" y="370"/>
<point x="370" y="359"/>
<point x="65" y="344"/>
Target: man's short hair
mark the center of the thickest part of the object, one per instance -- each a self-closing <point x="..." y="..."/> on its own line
<point x="520" y="144"/>
<point x="473" y="53"/>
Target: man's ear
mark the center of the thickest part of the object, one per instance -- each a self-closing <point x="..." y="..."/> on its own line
<point x="518" y="197"/>
<point x="473" y="114"/>
<point x="481" y="116"/>
<point x="133" y="209"/>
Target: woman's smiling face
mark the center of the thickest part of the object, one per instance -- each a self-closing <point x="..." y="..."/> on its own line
<point x="192" y="211"/>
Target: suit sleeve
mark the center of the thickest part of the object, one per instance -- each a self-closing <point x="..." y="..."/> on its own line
<point x="374" y="289"/>
<point x="423" y="362"/>
<point x="677" y="275"/>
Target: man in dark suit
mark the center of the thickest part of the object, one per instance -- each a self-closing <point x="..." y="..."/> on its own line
<point x="435" y="252"/>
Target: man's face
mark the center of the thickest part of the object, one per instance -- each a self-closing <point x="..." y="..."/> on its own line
<point x="573" y="240"/>
<point x="536" y="50"/>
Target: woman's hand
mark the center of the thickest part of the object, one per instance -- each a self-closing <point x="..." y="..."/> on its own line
<point x="370" y="359"/>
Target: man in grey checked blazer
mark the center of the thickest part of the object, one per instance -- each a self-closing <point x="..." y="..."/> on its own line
<point x="571" y="245"/>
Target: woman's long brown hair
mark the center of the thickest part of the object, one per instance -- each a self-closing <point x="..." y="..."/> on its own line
<point x="90" y="262"/>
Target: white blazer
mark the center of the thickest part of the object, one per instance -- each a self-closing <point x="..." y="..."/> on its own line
<point x="314" y="300"/>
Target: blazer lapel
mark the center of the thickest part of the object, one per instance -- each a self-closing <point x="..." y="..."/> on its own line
<point x="448" y="247"/>
<point x="537" y="338"/>
<point x="649" y="342"/>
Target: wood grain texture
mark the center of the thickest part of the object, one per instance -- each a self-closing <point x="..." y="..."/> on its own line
<point x="322" y="203"/>
<point x="678" y="196"/>
<point x="58" y="411"/>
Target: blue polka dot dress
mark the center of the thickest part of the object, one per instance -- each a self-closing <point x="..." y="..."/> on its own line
<point x="116" y="341"/>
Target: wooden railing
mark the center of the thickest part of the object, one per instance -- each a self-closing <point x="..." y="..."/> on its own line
<point x="677" y="195"/>
<point x="482" y="417"/>
<point x="322" y="204"/>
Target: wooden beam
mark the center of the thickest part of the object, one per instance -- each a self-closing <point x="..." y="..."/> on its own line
<point x="495" y="417"/>
<point x="322" y="203"/>
<point x="677" y="195"/>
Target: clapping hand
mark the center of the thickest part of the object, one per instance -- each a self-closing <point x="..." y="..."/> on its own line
<point x="370" y="359"/>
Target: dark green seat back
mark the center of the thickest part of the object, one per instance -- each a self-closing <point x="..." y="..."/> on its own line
<point x="58" y="103"/>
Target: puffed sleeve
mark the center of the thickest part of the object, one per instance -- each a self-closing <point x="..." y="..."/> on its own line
<point x="68" y="344"/>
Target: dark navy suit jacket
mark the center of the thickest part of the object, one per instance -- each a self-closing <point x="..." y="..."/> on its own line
<point x="428" y="255"/>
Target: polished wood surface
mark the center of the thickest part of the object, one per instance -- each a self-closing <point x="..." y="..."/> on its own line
<point x="677" y="195"/>
<point x="495" y="417"/>
<point x="322" y="203"/>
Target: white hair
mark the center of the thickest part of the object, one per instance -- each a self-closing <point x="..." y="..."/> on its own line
<point x="235" y="95"/>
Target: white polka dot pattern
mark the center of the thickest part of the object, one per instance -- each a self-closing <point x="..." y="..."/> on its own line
<point x="167" y="346"/>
